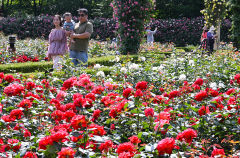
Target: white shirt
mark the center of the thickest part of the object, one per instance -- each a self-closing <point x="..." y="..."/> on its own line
<point x="150" y="34"/>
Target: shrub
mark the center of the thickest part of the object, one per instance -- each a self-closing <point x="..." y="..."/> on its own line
<point x="179" y="31"/>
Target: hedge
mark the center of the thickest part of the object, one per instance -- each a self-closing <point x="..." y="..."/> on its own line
<point x="179" y="31"/>
<point x="26" y="67"/>
<point x="43" y="66"/>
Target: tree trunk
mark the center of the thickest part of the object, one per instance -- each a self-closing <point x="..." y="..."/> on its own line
<point x="2" y="8"/>
<point x="7" y="3"/>
<point x="217" y="40"/>
<point x="40" y="5"/>
<point x="35" y="7"/>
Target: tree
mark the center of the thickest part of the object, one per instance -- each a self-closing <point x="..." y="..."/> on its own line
<point x="177" y="9"/>
<point x="131" y="16"/>
<point x="214" y="13"/>
<point x="235" y="10"/>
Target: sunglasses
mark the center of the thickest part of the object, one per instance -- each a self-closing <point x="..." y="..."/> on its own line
<point x="81" y="15"/>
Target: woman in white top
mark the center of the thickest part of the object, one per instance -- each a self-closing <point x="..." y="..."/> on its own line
<point x="150" y="38"/>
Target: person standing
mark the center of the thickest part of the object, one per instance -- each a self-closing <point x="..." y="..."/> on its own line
<point x="211" y="37"/>
<point x="203" y="44"/>
<point x="150" y="38"/>
<point x="57" y="43"/>
<point x="81" y="37"/>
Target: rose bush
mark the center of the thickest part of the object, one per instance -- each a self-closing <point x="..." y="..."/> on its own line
<point x="179" y="31"/>
<point x="140" y="110"/>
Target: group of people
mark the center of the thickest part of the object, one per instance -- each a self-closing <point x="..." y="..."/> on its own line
<point x="70" y="37"/>
<point x="208" y="38"/>
<point x="74" y="38"/>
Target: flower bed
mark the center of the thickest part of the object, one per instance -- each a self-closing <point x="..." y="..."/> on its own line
<point x="188" y="106"/>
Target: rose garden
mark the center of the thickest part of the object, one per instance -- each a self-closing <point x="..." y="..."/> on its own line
<point x="133" y="100"/>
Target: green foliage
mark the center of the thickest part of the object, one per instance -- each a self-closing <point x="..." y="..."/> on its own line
<point x="131" y="17"/>
<point x="177" y="9"/>
<point x="36" y="7"/>
<point x="235" y="9"/>
<point x="25" y="67"/>
<point x="214" y="12"/>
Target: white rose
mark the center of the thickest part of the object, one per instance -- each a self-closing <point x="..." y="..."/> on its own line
<point x="191" y="62"/>
<point x="154" y="68"/>
<point x="160" y="68"/>
<point x="213" y="85"/>
<point x="109" y="80"/>
<point x="100" y="74"/>
<point x="142" y="58"/>
<point x="182" y="77"/>
<point x="117" y="59"/>
<point x="97" y="66"/>
<point x="134" y="66"/>
<point x="123" y="70"/>
<point x="221" y="85"/>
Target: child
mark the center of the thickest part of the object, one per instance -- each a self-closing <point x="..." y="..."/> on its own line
<point x="57" y="43"/>
<point x="68" y="25"/>
<point x="150" y="34"/>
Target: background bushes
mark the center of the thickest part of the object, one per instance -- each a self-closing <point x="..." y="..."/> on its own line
<point x="179" y="31"/>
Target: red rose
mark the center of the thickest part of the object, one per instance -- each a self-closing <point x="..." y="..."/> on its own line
<point x="230" y="91"/>
<point x="57" y="115"/>
<point x="91" y="96"/>
<point x="96" y="114"/>
<point x="142" y="85"/>
<point x="66" y="152"/>
<point x="126" y="155"/>
<point x="27" y="133"/>
<point x="30" y="155"/>
<point x="14" y="144"/>
<point x="59" y="136"/>
<point x="113" y="112"/>
<point x="9" y="78"/>
<point x="69" y="82"/>
<point x="127" y="92"/>
<point x="174" y="94"/>
<point x="203" y="110"/>
<point x="166" y="146"/>
<point x="104" y="147"/>
<point x="237" y="78"/>
<point x="149" y="112"/>
<point x="134" y="139"/>
<point x="44" y="142"/>
<point x="158" y="99"/>
<point x="25" y="103"/>
<point x="16" y="113"/>
<point x="80" y="102"/>
<point x="201" y="95"/>
<point x="218" y="152"/>
<point x="112" y="127"/>
<point x="1" y="75"/>
<point x="97" y="130"/>
<point x="126" y="147"/>
<point x="187" y="135"/>
<point x="138" y="93"/>
<point x="213" y="93"/>
<point x="13" y="89"/>
<point x="30" y="85"/>
<point x="79" y="121"/>
<point x="163" y="116"/>
<point x="199" y="81"/>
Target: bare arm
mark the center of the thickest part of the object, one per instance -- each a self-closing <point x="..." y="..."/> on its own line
<point x="81" y="36"/>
